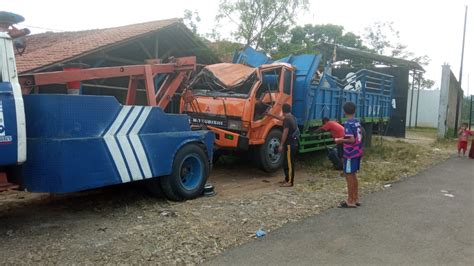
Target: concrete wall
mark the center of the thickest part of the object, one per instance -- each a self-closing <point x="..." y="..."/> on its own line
<point x="449" y="91"/>
<point x="454" y="92"/>
<point x="428" y="108"/>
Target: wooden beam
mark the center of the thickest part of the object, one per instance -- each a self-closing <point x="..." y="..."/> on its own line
<point x="89" y="85"/>
<point x="167" y="54"/>
<point x="156" y="46"/>
<point x="148" y="54"/>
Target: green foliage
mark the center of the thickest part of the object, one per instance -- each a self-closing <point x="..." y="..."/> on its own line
<point x="191" y="19"/>
<point x="302" y="39"/>
<point x="260" y="23"/>
<point x="466" y="105"/>
<point x="382" y="38"/>
<point x="225" y="49"/>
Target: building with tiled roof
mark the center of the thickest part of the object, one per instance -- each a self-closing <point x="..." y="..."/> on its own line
<point x="125" y="45"/>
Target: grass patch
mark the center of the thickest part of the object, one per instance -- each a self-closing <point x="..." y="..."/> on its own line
<point x="425" y="132"/>
<point x="388" y="160"/>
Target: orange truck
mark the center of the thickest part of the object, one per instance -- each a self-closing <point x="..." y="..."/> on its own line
<point x="241" y="103"/>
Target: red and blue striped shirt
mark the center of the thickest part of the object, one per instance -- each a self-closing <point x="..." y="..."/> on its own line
<point x="352" y="128"/>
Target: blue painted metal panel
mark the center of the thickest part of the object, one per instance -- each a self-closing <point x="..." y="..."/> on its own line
<point x="303" y="94"/>
<point x="370" y="91"/>
<point x="251" y="57"/>
<point x="8" y="126"/>
<point x="93" y="141"/>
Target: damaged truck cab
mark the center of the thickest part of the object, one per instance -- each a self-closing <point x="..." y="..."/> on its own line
<point x="240" y="104"/>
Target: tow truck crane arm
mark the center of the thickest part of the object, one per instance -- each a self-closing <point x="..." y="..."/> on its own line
<point x="177" y="71"/>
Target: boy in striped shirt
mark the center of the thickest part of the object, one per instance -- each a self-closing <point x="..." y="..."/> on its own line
<point x="352" y="142"/>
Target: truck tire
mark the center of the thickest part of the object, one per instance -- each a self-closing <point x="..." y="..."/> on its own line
<point x="189" y="174"/>
<point x="267" y="156"/>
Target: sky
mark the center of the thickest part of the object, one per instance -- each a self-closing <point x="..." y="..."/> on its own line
<point x="427" y="27"/>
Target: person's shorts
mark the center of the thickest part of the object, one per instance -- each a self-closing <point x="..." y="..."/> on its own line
<point x="462" y="145"/>
<point x="351" y="165"/>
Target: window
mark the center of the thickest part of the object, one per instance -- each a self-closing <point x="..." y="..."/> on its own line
<point x="271" y="79"/>
<point x="288" y="78"/>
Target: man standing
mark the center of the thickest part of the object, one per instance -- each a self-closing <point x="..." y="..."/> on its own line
<point x="337" y="131"/>
<point x="289" y="145"/>
<point x="352" y="155"/>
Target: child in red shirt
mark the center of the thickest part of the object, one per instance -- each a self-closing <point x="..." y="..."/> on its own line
<point x="463" y="137"/>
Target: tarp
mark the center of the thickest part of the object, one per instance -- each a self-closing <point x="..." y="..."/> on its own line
<point x="230" y="75"/>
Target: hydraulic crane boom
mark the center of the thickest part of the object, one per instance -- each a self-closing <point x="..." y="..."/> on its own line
<point x="177" y="71"/>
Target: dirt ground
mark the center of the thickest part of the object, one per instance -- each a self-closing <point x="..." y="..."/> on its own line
<point x="123" y="224"/>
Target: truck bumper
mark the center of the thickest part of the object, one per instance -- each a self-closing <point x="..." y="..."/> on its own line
<point x="229" y="140"/>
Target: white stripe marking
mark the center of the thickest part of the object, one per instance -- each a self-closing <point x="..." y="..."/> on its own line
<point x="9" y="73"/>
<point x="113" y="147"/>
<point x="126" y="147"/>
<point x="137" y="144"/>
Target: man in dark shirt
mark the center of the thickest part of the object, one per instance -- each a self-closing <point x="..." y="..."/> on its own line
<point x="289" y="145"/>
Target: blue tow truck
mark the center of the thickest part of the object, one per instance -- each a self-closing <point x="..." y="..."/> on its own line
<point x="66" y="143"/>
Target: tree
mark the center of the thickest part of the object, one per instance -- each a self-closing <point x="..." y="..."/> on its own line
<point x="260" y="23"/>
<point x="191" y="19"/>
<point x="383" y="38"/>
<point x="302" y="39"/>
<point x="350" y="39"/>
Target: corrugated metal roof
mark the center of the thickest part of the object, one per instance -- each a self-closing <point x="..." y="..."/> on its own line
<point x="343" y="52"/>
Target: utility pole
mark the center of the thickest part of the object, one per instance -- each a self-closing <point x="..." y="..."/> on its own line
<point x="460" y="75"/>
<point x="470" y="111"/>
<point x="470" y="103"/>
<point x="467" y="94"/>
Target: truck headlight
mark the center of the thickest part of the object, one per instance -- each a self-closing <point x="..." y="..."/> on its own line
<point x="235" y="125"/>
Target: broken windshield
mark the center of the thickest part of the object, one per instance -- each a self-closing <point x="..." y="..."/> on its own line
<point x="232" y="80"/>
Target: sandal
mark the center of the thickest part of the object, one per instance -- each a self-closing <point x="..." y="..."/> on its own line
<point x="286" y="184"/>
<point x="344" y="204"/>
<point x="358" y="204"/>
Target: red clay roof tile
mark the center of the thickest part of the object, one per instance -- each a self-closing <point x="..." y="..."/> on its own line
<point x="52" y="47"/>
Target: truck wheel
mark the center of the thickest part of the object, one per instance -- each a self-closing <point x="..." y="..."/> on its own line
<point x="189" y="174"/>
<point x="267" y="155"/>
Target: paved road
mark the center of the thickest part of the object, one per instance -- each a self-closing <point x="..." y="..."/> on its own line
<point x="412" y="222"/>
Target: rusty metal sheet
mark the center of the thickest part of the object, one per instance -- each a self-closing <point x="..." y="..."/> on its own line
<point x="230" y="74"/>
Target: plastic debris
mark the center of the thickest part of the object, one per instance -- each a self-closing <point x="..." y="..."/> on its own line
<point x="387" y="185"/>
<point x="168" y="213"/>
<point x="449" y="195"/>
<point x="260" y="233"/>
<point x="209" y="190"/>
